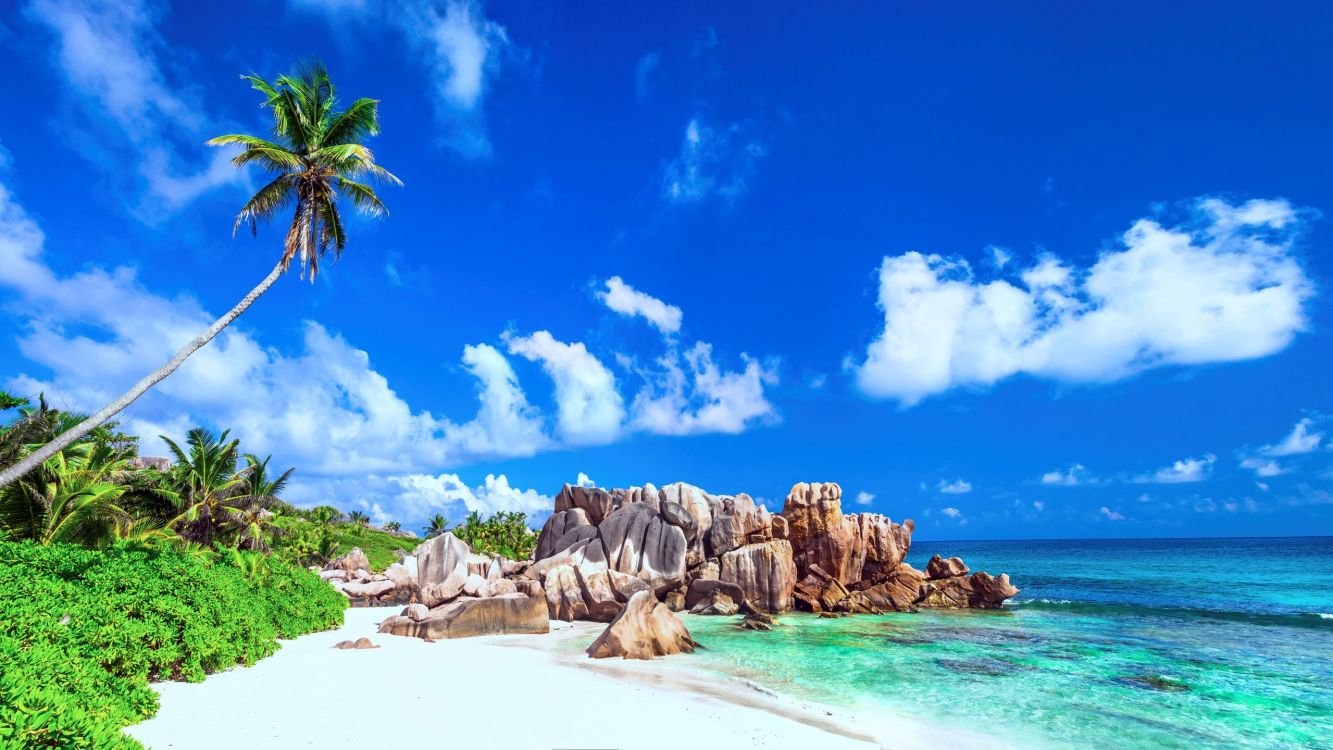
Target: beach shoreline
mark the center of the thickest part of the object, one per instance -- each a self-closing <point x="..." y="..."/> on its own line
<point x="508" y="691"/>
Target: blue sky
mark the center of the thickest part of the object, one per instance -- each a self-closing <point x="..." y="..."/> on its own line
<point x="1056" y="272"/>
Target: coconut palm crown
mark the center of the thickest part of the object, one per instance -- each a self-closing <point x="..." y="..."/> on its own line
<point x="315" y="155"/>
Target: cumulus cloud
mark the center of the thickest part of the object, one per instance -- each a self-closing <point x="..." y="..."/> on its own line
<point x="1302" y="439"/>
<point x="584" y="481"/>
<point x="1075" y="475"/>
<point x="1224" y="286"/>
<point x="413" y="498"/>
<point x="627" y="300"/>
<point x="1263" y="467"/>
<point x="589" y="408"/>
<point x="115" y="64"/>
<point x="864" y="498"/>
<point x="954" y="513"/>
<point x="690" y="394"/>
<point x="1182" y="471"/>
<point x="1110" y="515"/>
<point x="712" y="163"/>
<point x="956" y="487"/>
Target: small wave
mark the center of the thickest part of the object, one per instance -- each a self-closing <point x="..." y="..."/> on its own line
<point x="1305" y="620"/>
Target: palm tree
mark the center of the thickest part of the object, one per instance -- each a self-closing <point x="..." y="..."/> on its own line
<point x="260" y="483"/>
<point x="392" y="526"/>
<point x="72" y="498"/>
<point x="316" y="155"/>
<point x="325" y="515"/>
<point x="211" y="490"/>
<point x="359" y="518"/>
<point x="438" y="525"/>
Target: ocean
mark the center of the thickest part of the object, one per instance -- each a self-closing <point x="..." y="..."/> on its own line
<point x="1180" y="643"/>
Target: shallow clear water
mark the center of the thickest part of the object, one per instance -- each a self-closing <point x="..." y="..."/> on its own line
<point x="1170" y="644"/>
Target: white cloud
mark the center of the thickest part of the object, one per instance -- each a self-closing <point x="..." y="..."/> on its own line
<point x="956" y="487"/>
<point x="1261" y="485"/>
<point x="1075" y="475"/>
<point x="1111" y="515"/>
<point x="412" y="498"/>
<point x="465" y="51"/>
<point x="584" y="481"/>
<point x="954" y="513"/>
<point x="1039" y="505"/>
<point x="627" y="300"/>
<point x="999" y="256"/>
<point x="711" y="163"/>
<point x="1301" y="439"/>
<point x="1225" y="287"/>
<point x="590" y="409"/>
<point x="690" y="394"/>
<point x="1263" y="467"/>
<point x="864" y="498"/>
<point x="111" y="56"/>
<point x="1182" y="471"/>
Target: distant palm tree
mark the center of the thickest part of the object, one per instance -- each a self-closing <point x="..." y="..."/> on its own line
<point x="359" y="518"/>
<point x="392" y="526"/>
<point x="438" y="525"/>
<point x="325" y="515"/>
<point x="316" y="156"/>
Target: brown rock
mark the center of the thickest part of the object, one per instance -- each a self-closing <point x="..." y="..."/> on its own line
<point x="765" y="573"/>
<point x="644" y="628"/>
<point x="717" y="603"/>
<point x="675" y="601"/>
<point x="898" y="593"/>
<point x="638" y="542"/>
<point x="439" y="558"/>
<point x="471" y="617"/>
<point x="819" y="533"/>
<point x="564" y="596"/>
<point x="989" y="592"/>
<point x="350" y="562"/>
<point x="938" y="567"/>
<point x="780" y="528"/>
<point x="703" y="589"/>
<point x="417" y="612"/>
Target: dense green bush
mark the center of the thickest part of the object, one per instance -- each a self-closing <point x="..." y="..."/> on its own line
<point x="82" y="632"/>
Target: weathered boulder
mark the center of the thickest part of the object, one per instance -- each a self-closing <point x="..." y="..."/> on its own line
<point x="677" y="515"/>
<point x="820" y="534"/>
<point x="437" y="559"/>
<point x="528" y="587"/>
<point x="717" y="603"/>
<point x="703" y="588"/>
<point x="472" y="617"/>
<point x="564" y="596"/>
<point x="337" y="573"/>
<point x="499" y="587"/>
<point x="350" y="562"/>
<point x="938" y="567"/>
<point x="881" y="545"/>
<point x="675" y="601"/>
<point x="637" y="541"/>
<point x="819" y="591"/>
<point x="556" y="526"/>
<point x="644" y="628"/>
<point x="593" y="501"/>
<point x="416" y="612"/>
<point x="401" y="576"/>
<point x="368" y="590"/>
<point x="989" y="592"/>
<point x="779" y="526"/>
<point x="474" y="585"/>
<point x="765" y="573"/>
<point x="900" y="592"/>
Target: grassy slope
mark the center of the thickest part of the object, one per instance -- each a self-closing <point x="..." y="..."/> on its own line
<point x="380" y="546"/>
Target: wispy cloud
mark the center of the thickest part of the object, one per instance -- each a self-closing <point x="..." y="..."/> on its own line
<point x="712" y="163"/>
<point x="627" y="300"/>
<point x="1075" y="475"/>
<point x="111" y="56"/>
<point x="1303" y="438"/>
<point x="1183" y="471"/>
<point x="643" y="74"/>
<point x="1223" y="286"/>
<point x="956" y="487"/>
<point x="1110" y="515"/>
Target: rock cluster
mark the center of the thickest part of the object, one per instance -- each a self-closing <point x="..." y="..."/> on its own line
<point x="634" y="557"/>
<point x="350" y="575"/>
<point x="600" y="547"/>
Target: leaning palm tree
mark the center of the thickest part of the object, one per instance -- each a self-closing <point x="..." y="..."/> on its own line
<point x="315" y="156"/>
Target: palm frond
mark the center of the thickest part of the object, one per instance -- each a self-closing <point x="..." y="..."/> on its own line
<point x="264" y="204"/>
<point x="362" y="196"/>
<point x="359" y="121"/>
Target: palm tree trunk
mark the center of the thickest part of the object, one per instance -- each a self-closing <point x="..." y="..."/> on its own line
<point x="64" y="439"/>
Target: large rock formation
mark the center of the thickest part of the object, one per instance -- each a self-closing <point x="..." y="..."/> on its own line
<point x="442" y="568"/>
<point x="464" y="618"/>
<point x="812" y="556"/>
<point x="644" y="628"/>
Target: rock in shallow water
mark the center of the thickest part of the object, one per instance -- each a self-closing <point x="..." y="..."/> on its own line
<point x="644" y="628"/>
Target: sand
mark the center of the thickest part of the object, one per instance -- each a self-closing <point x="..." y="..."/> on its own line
<point x="497" y="692"/>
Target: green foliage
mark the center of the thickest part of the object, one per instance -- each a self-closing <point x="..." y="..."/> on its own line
<point x="504" y="533"/>
<point x="315" y="157"/>
<point x="299" y="542"/>
<point x="84" y="631"/>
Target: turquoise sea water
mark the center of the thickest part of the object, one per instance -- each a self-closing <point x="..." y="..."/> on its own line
<point x="1128" y="644"/>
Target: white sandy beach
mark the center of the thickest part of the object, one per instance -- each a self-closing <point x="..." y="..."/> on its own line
<point x="495" y="692"/>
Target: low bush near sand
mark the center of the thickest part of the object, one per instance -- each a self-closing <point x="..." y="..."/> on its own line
<point x="83" y="632"/>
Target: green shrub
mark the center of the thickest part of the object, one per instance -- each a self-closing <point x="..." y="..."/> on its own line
<point x="83" y="632"/>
